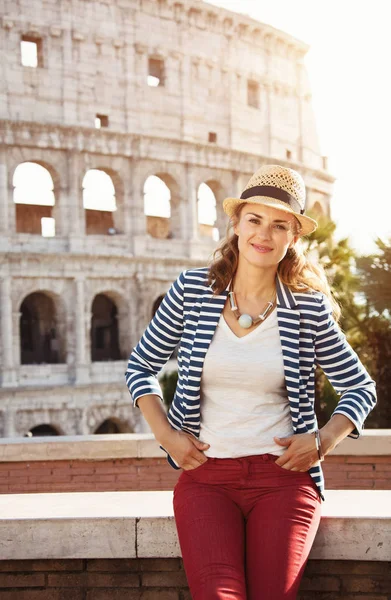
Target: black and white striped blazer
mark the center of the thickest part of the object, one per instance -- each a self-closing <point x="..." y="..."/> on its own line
<point x="189" y="314"/>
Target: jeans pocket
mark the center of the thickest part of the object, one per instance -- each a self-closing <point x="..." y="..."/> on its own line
<point x="284" y="470"/>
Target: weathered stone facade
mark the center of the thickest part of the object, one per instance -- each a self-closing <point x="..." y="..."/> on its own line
<point x="233" y="95"/>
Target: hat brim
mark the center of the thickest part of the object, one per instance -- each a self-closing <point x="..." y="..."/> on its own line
<point x="308" y="225"/>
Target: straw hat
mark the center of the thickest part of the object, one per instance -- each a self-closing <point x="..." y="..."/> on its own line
<point x="279" y="187"/>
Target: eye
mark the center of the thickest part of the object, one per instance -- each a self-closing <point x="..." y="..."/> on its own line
<point x="254" y="220"/>
<point x="282" y="226"/>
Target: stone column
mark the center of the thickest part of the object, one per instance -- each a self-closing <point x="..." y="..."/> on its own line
<point x="7" y="321"/>
<point x="82" y="363"/>
<point x="4" y="199"/>
<point x="9" y="422"/>
<point x="135" y="209"/>
<point x="190" y="216"/>
<point x="74" y="198"/>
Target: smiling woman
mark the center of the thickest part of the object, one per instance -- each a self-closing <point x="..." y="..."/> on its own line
<point x="251" y="328"/>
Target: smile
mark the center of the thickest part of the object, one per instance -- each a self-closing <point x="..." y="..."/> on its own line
<point x="261" y="249"/>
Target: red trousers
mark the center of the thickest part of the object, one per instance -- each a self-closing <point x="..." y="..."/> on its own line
<point x="245" y="527"/>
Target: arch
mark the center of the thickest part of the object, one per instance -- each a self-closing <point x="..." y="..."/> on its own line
<point x="221" y="218"/>
<point x="161" y="205"/>
<point x="206" y="211"/>
<point x="40" y="336"/>
<point x="43" y="430"/>
<point x="111" y="425"/>
<point x="104" y="333"/>
<point x="99" y="202"/>
<point x="34" y="199"/>
<point x="318" y="209"/>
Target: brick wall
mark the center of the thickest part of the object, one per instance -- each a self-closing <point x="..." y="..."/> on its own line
<point x="165" y="579"/>
<point x="341" y="472"/>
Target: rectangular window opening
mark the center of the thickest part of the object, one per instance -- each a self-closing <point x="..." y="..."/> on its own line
<point x="212" y="138"/>
<point x="253" y="94"/>
<point x="101" y="121"/>
<point x="288" y="154"/>
<point x="31" y="51"/>
<point x="155" y="72"/>
<point x="48" y="227"/>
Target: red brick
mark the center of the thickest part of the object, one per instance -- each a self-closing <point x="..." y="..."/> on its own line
<point x="113" y="565"/>
<point x="362" y="475"/>
<point x="88" y="579"/>
<point x="163" y="579"/>
<point x="348" y="567"/>
<point x="321" y="583"/>
<point x="368" y="459"/>
<point x="160" y="564"/>
<point x="335" y="459"/>
<point x="382" y="484"/>
<point x="367" y="584"/>
<point x="48" y="594"/>
<point x="112" y="594"/>
<point x="22" y="580"/>
<point x="41" y="565"/>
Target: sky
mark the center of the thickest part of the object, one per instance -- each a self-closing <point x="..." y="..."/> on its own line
<point x="350" y="78"/>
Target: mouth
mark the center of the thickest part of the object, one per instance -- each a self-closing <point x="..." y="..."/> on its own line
<point x="261" y="249"/>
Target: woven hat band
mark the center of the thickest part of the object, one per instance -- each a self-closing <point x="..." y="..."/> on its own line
<point x="273" y="192"/>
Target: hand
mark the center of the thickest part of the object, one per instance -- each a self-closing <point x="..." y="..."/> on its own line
<point x="301" y="453"/>
<point x="185" y="449"/>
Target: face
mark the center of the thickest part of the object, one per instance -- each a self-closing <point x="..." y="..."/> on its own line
<point x="264" y="226"/>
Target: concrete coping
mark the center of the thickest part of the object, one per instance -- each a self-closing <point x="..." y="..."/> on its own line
<point x="372" y="442"/>
<point x="355" y="525"/>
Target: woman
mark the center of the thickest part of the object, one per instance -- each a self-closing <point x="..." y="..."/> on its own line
<point x="252" y="327"/>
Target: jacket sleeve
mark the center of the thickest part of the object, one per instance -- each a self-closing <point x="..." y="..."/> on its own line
<point x="344" y="370"/>
<point x="157" y="344"/>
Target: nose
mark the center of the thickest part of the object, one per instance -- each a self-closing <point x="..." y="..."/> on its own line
<point x="264" y="231"/>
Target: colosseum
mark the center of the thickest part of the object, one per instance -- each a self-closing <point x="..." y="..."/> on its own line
<point x="123" y="126"/>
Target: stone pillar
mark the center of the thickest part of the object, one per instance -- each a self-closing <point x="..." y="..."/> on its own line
<point x="135" y="205"/>
<point x="4" y="199"/>
<point x="190" y="216"/>
<point x="7" y="320"/>
<point x="74" y="199"/>
<point x="9" y="422"/>
<point x="82" y="363"/>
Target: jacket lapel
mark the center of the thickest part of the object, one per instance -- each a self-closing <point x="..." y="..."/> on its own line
<point x="288" y="317"/>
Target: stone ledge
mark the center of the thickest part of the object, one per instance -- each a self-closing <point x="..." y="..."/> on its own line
<point x="355" y="525"/>
<point x="372" y="442"/>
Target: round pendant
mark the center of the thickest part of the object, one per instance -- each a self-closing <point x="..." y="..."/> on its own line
<point x="245" y="321"/>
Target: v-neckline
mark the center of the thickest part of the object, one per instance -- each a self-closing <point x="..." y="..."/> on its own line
<point x="235" y="337"/>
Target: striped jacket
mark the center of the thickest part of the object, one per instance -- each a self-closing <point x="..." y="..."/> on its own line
<point x="189" y="314"/>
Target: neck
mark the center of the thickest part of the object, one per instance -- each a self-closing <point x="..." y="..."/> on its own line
<point x="254" y="283"/>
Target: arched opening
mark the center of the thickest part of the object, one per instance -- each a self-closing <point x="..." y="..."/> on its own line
<point x="108" y="426"/>
<point x="99" y="202"/>
<point x="207" y="212"/>
<point x="317" y="208"/>
<point x="104" y="330"/>
<point x="39" y="339"/>
<point x="157" y="207"/>
<point x="43" y="430"/>
<point x="34" y="199"/>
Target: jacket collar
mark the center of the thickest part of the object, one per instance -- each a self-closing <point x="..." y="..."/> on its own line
<point x="285" y="297"/>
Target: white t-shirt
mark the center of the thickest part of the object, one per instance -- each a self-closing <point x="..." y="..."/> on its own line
<point x="244" y="401"/>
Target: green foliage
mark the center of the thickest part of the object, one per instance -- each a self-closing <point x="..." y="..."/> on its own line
<point x="375" y="275"/>
<point x="168" y="383"/>
<point x="362" y="286"/>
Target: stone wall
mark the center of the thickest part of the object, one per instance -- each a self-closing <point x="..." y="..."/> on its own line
<point x="135" y="462"/>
